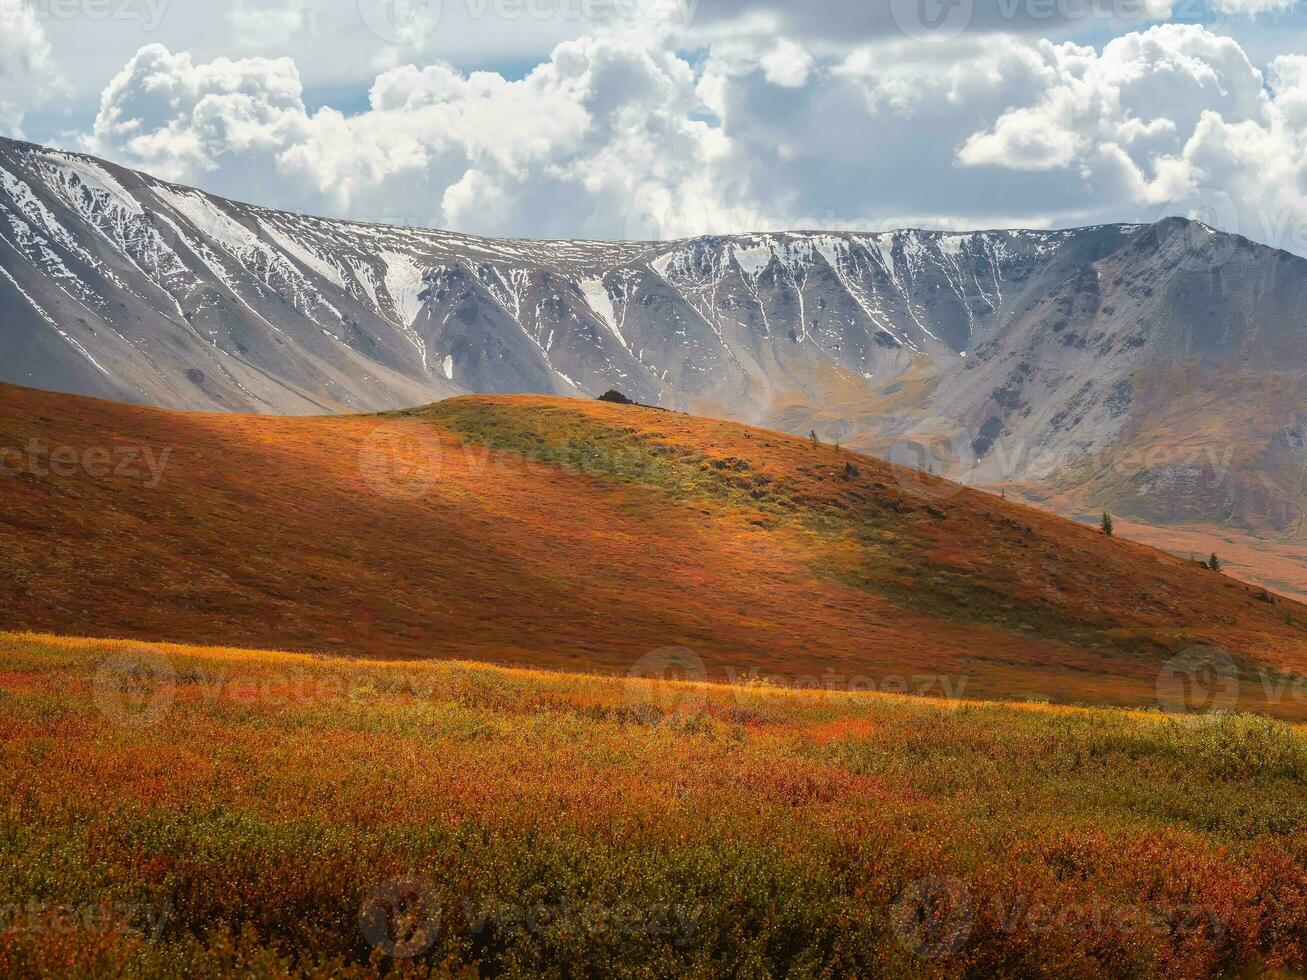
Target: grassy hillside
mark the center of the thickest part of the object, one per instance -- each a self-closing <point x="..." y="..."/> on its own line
<point x="565" y="533"/>
<point x="1279" y="565"/>
<point x="219" y="811"/>
<point x="1206" y="459"/>
<point x="1206" y="447"/>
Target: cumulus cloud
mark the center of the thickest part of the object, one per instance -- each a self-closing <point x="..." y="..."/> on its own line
<point x="857" y="21"/>
<point x="1252" y="7"/>
<point x="619" y="135"/>
<point x="256" y="26"/>
<point x="1141" y="97"/>
<point x="28" y="75"/>
<point x="787" y="65"/>
<point x="1164" y="118"/>
<point x="179" y="119"/>
<point x="556" y="152"/>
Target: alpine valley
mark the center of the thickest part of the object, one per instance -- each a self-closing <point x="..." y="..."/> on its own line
<point x="1153" y="371"/>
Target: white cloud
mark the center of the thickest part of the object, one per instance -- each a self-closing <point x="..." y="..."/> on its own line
<point x="28" y="75"/>
<point x="254" y="26"/>
<point x="180" y="120"/>
<point x="1165" y="118"/>
<point x="1142" y="95"/>
<point x="1252" y="7"/>
<point x="862" y="22"/>
<point x="564" y="150"/>
<point x="787" y="65"/>
<point x="619" y="136"/>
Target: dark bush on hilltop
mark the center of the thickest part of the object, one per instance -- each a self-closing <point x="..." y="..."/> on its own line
<point x="615" y="396"/>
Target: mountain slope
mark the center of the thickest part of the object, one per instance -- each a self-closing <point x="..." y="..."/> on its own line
<point x="576" y="533"/>
<point x="119" y="284"/>
<point x="1151" y="370"/>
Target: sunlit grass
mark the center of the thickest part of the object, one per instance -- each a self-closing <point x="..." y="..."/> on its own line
<point x="240" y="810"/>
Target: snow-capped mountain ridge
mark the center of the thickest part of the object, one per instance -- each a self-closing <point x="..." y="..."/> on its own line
<point x="117" y="284"/>
<point x="225" y="273"/>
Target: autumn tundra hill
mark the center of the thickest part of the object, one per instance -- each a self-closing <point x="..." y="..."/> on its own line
<point x="1152" y="370"/>
<point x="574" y="534"/>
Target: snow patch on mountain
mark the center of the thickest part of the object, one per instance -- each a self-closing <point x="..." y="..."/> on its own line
<point x="306" y="255"/>
<point x="404" y="282"/>
<point x="211" y="221"/>
<point x="752" y="259"/>
<point x="366" y="279"/>
<point x="601" y="304"/>
<point x="88" y="185"/>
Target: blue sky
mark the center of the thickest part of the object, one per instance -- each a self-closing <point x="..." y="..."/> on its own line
<point x="660" y="118"/>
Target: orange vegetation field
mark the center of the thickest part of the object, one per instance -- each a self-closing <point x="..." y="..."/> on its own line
<point x="563" y="533"/>
<point x="1279" y="564"/>
<point x="174" y="810"/>
<point x="589" y="690"/>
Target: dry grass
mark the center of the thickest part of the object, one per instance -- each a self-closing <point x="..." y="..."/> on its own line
<point x="562" y="533"/>
<point x="241" y="812"/>
<point x="1276" y="564"/>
